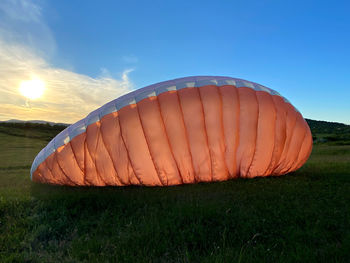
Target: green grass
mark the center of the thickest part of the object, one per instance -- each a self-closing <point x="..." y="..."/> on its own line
<point x="301" y="217"/>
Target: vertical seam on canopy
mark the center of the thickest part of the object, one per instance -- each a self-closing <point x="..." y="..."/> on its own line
<point x="223" y="138"/>
<point x="110" y="157"/>
<point x="206" y="134"/>
<point x="284" y="169"/>
<point x="59" y="165"/>
<point x="50" y="171"/>
<point x="94" y="159"/>
<point x="291" y="138"/>
<point x="84" y="157"/>
<point x="296" y="163"/>
<point x="85" y="153"/>
<point x="256" y="135"/>
<point x="56" y="160"/>
<point x="187" y="139"/>
<point x="238" y="166"/>
<point x="149" y="151"/>
<point x="274" y="133"/>
<point x="277" y="163"/>
<point x="299" y="161"/>
<point x="292" y="162"/>
<point x="302" y="161"/>
<point x="42" y="176"/>
<point x="166" y="134"/>
<point x="270" y="166"/>
<point x="47" y="166"/>
<point x="75" y="157"/>
<point x="127" y="153"/>
<point x="223" y="127"/>
<point x="238" y="136"/>
<point x="279" y="167"/>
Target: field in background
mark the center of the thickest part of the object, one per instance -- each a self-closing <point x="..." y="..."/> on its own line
<point x="301" y="217"/>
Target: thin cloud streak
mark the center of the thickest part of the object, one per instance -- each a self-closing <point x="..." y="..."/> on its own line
<point x="131" y="59"/>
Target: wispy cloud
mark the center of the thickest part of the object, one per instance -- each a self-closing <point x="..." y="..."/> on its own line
<point x="130" y="59"/>
<point x="21" y="21"/>
<point x="68" y="96"/>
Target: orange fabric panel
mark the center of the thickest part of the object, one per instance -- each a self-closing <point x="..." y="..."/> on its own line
<point x="308" y="142"/>
<point x="103" y="161"/>
<point x="137" y="147"/>
<point x="194" y="122"/>
<point x="153" y="128"/>
<point x="44" y="174"/>
<point x="230" y="117"/>
<point x="41" y="174"/>
<point x="176" y="132"/>
<point x="249" y="111"/>
<point x="306" y="148"/>
<point x="280" y="132"/>
<point x="58" y="173"/>
<point x="69" y="165"/>
<point x="50" y="176"/>
<point x="77" y="144"/>
<point x="92" y="174"/>
<point x="110" y="130"/>
<point x="298" y="136"/>
<point x="212" y="107"/>
<point x="291" y="119"/>
<point x="265" y="139"/>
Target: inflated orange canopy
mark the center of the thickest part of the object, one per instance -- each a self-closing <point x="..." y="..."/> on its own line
<point x="195" y="129"/>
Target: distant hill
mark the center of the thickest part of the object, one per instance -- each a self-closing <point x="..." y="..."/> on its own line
<point x="327" y="127"/>
<point x="35" y="121"/>
<point x="32" y="129"/>
<point x="329" y="132"/>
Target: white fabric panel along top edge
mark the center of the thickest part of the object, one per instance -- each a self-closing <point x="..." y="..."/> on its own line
<point x="165" y="88"/>
<point x="145" y="94"/>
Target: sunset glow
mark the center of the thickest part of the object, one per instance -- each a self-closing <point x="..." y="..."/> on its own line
<point x="32" y="89"/>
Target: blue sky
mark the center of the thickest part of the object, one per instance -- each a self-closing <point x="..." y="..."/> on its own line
<point x="299" y="48"/>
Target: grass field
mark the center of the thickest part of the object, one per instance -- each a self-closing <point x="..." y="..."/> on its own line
<point x="301" y="217"/>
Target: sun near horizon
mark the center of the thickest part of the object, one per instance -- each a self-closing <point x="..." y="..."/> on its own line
<point x="33" y="88"/>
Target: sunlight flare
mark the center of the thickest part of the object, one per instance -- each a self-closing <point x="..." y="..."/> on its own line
<point x="32" y="89"/>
